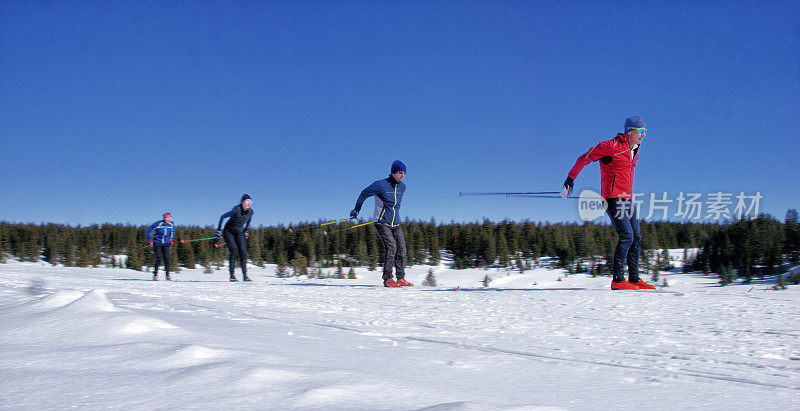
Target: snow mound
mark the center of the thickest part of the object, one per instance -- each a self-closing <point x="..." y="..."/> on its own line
<point x="505" y="281"/>
<point x="93" y="301"/>
<point x="144" y="325"/>
<point x="263" y="377"/>
<point x="190" y="355"/>
<point x="87" y="317"/>
<point x="55" y="300"/>
<point x="480" y="406"/>
<point x="337" y="394"/>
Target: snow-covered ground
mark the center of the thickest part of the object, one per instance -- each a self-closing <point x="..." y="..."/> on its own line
<point x="109" y="338"/>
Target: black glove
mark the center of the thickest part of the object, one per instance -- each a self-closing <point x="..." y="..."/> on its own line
<point x="354" y="214"/>
<point x="569" y="183"/>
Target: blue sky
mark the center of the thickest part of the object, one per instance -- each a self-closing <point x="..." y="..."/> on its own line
<point x="119" y="111"/>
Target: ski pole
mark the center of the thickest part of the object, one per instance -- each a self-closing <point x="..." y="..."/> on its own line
<point x="198" y="239"/>
<point x="321" y="224"/>
<point x="334" y="222"/>
<point x="529" y="193"/>
<point x="538" y="194"/>
<point x="349" y="228"/>
<point x="137" y="249"/>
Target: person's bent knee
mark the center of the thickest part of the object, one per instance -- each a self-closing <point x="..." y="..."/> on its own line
<point x="626" y="240"/>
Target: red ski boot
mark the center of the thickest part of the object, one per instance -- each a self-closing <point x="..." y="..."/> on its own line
<point x="623" y="285"/>
<point x="643" y="285"/>
<point x="404" y="283"/>
<point x="391" y="283"/>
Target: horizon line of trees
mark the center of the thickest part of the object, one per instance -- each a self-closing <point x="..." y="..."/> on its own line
<point x="745" y="248"/>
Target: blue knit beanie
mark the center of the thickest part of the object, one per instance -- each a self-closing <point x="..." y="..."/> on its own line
<point x="634" y="122"/>
<point x="398" y="166"/>
<point x="245" y="197"/>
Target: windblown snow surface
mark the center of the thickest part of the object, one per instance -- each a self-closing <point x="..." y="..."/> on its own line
<point x="110" y="338"/>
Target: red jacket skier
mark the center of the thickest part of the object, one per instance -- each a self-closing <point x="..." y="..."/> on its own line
<point x="618" y="158"/>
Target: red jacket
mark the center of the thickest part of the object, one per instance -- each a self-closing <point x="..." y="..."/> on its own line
<point x="617" y="162"/>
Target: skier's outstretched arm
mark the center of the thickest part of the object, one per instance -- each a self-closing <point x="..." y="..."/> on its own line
<point x="595" y="153"/>
<point x="221" y="219"/>
<point x="150" y="231"/>
<point x="368" y="192"/>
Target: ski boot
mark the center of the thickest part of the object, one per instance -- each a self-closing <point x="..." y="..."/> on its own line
<point x="643" y="285"/>
<point x="623" y="285"/>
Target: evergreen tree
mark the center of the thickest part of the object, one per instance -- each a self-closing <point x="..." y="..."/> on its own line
<point x="486" y="248"/>
<point x="48" y="251"/>
<point x="792" y="236"/>
<point x="421" y="253"/>
<point x="430" y="279"/>
<point x="726" y="275"/>
<point x="521" y="266"/>
<point x="654" y="271"/>
<point x="173" y="262"/>
<point x="339" y="269"/>
<point x="255" y="249"/>
<point x="502" y="249"/>
<point x="687" y="265"/>
<point x="281" y="271"/>
<point x="374" y="250"/>
<point x="436" y="255"/>
<point x="362" y="255"/>
<point x="299" y="265"/>
<point x="665" y="263"/>
<point x="5" y="229"/>
<point x="186" y="255"/>
<point x="135" y="257"/>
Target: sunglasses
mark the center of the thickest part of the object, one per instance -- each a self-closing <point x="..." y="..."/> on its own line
<point x="641" y="130"/>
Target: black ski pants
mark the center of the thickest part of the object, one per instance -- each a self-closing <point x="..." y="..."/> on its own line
<point x="236" y="244"/>
<point x="394" y="254"/>
<point x="162" y="253"/>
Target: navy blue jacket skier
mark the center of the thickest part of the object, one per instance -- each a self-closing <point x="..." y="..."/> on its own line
<point x="160" y="236"/>
<point x="235" y="234"/>
<point x="388" y="194"/>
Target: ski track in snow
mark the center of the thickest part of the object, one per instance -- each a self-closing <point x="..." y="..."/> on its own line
<point x="99" y="338"/>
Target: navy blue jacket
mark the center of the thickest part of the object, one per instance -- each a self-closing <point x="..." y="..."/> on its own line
<point x="388" y="196"/>
<point x="239" y="220"/>
<point x="161" y="232"/>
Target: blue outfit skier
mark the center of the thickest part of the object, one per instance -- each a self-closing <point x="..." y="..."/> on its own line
<point x="388" y="194"/>
<point x="160" y="236"/>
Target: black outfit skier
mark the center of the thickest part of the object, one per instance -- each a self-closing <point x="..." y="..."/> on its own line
<point x="159" y="236"/>
<point x="388" y="194"/>
<point x="235" y="234"/>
